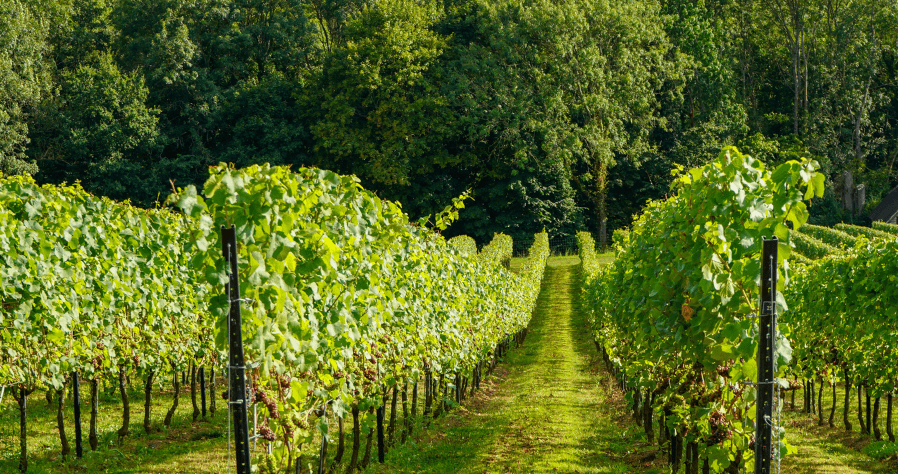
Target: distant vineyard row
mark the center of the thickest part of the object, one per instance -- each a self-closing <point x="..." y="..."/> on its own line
<point x="673" y="315"/>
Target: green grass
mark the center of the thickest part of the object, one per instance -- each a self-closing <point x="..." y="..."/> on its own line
<point x="605" y="258"/>
<point x="822" y="449"/>
<point x="185" y="447"/>
<point x="549" y="408"/>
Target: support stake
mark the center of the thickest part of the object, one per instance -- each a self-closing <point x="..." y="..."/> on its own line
<point x="764" y="450"/>
<point x="236" y="368"/>
<point x="203" y="389"/>
<point x="76" y="395"/>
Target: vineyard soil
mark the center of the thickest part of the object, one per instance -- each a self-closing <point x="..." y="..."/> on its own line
<point x="196" y="447"/>
<point x="825" y="450"/>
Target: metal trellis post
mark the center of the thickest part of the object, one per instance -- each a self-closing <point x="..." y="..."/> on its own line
<point x="236" y="368"/>
<point x="76" y="394"/>
<point x="764" y="421"/>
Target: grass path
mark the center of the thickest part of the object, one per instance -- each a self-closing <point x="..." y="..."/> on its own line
<point x="552" y="408"/>
<point x="826" y="450"/>
<point x="546" y="409"/>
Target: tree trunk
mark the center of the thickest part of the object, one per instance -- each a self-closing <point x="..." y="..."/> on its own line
<point x="94" y="409"/>
<point x="411" y="426"/>
<point x="356" y="440"/>
<point x="811" y="397"/>
<point x="869" y="414"/>
<point x="202" y="375"/>
<point x="860" y="409"/>
<point x="832" y="412"/>
<point x="126" y="407"/>
<point x="856" y="135"/>
<point x="439" y="402"/>
<point x="875" y="420"/>
<point x="475" y="382"/>
<point x="820" y="404"/>
<point x="428" y="392"/>
<point x="391" y="431"/>
<point x="846" y="419"/>
<point x="147" y="402"/>
<point x="647" y="413"/>
<point x="367" y="458"/>
<point x="22" y="399"/>
<point x="662" y="428"/>
<point x="889" y="418"/>
<point x="338" y="456"/>
<point x="174" y="406"/>
<point x="406" y="421"/>
<point x="677" y="447"/>
<point x="637" y="413"/>
<point x="196" y="408"/>
<point x="60" y="421"/>
<point x="807" y="397"/>
<point x="445" y="398"/>
<point x="212" y="396"/>
<point x="601" y="198"/>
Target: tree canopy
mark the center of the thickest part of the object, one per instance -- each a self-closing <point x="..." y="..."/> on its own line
<point x="555" y="115"/>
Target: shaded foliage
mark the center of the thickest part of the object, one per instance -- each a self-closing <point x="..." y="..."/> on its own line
<point x="554" y="115"/>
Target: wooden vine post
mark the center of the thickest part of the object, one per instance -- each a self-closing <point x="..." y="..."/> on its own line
<point x="236" y="368"/>
<point x="764" y="419"/>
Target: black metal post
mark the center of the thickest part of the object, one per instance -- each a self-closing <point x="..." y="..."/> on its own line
<point x="380" y="432"/>
<point x="236" y="368"/>
<point x="76" y="395"/>
<point x="203" y="389"/>
<point x="766" y="359"/>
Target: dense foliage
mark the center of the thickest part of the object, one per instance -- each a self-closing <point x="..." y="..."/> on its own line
<point x="556" y="115"/>
<point x="811" y="247"/>
<point x="890" y="228"/>
<point x="829" y="236"/>
<point x="841" y="324"/>
<point x="347" y="298"/>
<point x="95" y="286"/>
<point x="672" y="313"/>
<point x="871" y="234"/>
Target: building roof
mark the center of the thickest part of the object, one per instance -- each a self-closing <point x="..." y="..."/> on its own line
<point x="887" y="210"/>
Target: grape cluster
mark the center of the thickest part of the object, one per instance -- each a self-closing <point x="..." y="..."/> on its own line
<point x="720" y="430"/>
<point x="266" y="433"/>
<point x="370" y="374"/>
<point x="298" y="422"/>
<point x="262" y="397"/>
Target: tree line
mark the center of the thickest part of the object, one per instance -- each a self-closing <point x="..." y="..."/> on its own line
<point x="555" y="115"/>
